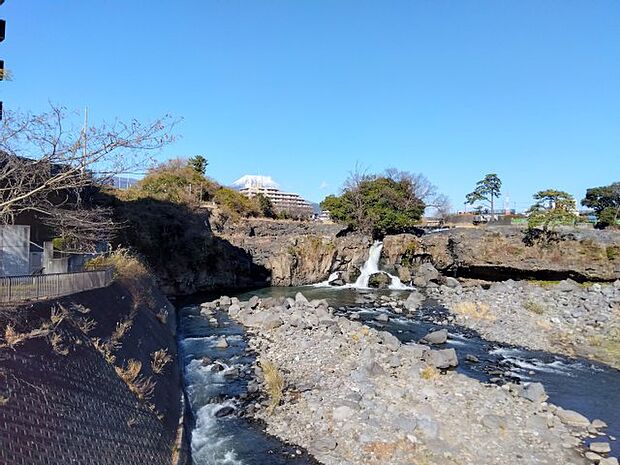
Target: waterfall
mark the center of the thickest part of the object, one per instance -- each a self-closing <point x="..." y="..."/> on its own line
<point x="371" y="266"/>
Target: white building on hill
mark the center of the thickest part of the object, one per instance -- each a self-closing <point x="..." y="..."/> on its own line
<point x="253" y="185"/>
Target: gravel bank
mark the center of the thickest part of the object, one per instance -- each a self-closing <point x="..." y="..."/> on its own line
<point x="562" y="317"/>
<point x="355" y="395"/>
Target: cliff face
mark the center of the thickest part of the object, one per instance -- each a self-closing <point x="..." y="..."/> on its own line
<point x="306" y="253"/>
<point x="508" y="253"/>
<point x="299" y="253"/>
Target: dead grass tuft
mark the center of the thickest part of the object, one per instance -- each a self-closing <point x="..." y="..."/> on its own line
<point x="274" y="384"/>
<point x="86" y="325"/>
<point x="429" y="373"/>
<point x="162" y="316"/>
<point x="106" y="349"/>
<point x="3" y="400"/>
<point x="475" y="310"/>
<point x="122" y="328"/>
<point x="142" y="387"/>
<point x="57" y="344"/>
<point x="123" y="261"/>
<point x="159" y="360"/>
<point x="533" y="307"/>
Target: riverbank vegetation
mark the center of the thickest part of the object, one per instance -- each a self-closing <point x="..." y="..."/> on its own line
<point x="387" y="203"/>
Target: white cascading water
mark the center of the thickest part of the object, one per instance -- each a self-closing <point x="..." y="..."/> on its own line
<point x="372" y="266"/>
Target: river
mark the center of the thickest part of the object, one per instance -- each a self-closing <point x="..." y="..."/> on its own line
<point x="590" y="388"/>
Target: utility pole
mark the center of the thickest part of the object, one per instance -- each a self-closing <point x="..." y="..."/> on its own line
<point x="2" y="33"/>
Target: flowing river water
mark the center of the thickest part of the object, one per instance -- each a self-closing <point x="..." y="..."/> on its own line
<point x="217" y="385"/>
<point x="217" y="377"/>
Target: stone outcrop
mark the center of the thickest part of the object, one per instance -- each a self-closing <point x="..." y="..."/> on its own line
<point x="497" y="253"/>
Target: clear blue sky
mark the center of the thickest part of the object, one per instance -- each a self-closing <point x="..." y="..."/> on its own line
<point x="303" y="89"/>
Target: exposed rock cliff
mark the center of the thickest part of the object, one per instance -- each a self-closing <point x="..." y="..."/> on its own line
<point x="503" y="253"/>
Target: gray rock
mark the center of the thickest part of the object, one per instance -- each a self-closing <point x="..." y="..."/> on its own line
<point x="445" y="358"/>
<point x="452" y="282"/>
<point x="413" y="301"/>
<point x="572" y="418"/>
<point x="382" y="317"/>
<point x="342" y="413"/>
<point x="534" y="392"/>
<point x="593" y="457"/>
<point x="379" y="280"/>
<point x="221" y="343"/>
<point x="389" y="340"/>
<point x="436" y="337"/>
<point x="225" y="301"/>
<point x="253" y="302"/>
<point x="609" y="461"/>
<point x="301" y="299"/>
<point x="323" y="445"/>
<point x="600" y="447"/>
<point x="234" y="310"/>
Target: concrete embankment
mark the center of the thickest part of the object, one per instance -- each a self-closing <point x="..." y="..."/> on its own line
<point x="92" y="378"/>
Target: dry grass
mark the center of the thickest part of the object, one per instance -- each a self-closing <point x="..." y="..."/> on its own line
<point x="86" y="325"/>
<point x="162" y="316"/>
<point x="131" y="372"/>
<point x="58" y="347"/>
<point x="274" y="384"/>
<point x="608" y="346"/>
<point x="124" y="263"/>
<point x="106" y="349"/>
<point x="533" y="307"/>
<point x="475" y="310"/>
<point x="159" y="360"/>
<point x="57" y="315"/>
<point x="142" y="387"/>
<point x="13" y="338"/>
<point x="122" y="327"/>
<point x="3" y="400"/>
<point x="429" y="373"/>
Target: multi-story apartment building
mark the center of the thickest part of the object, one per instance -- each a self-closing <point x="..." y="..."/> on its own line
<point x="294" y="204"/>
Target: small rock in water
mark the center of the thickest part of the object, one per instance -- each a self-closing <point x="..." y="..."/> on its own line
<point x="436" y="337"/>
<point x="224" y="412"/>
<point x="572" y="418"/>
<point x="599" y="424"/>
<point x="600" y="447"/>
<point x="609" y="461"/>
<point x="471" y="358"/>
<point x="382" y="317"/>
<point x="221" y="343"/>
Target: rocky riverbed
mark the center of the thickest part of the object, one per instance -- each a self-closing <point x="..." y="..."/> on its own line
<point x="354" y="395"/>
<point x="564" y="317"/>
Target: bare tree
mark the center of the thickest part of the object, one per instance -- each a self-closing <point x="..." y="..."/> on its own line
<point x="422" y="189"/>
<point x="47" y="163"/>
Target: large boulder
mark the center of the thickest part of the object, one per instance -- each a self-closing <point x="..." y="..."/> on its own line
<point x="413" y="301"/>
<point x="445" y="358"/>
<point x="379" y="280"/>
<point x="425" y="274"/>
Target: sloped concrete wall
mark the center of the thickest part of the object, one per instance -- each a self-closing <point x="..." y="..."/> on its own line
<point x="14" y="250"/>
<point x="63" y="402"/>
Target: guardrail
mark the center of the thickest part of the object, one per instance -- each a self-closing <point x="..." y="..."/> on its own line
<point x="45" y="286"/>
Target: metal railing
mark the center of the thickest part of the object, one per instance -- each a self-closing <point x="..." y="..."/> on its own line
<point x="45" y="286"/>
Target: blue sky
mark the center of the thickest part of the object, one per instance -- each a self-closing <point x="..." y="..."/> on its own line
<point x="303" y="90"/>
